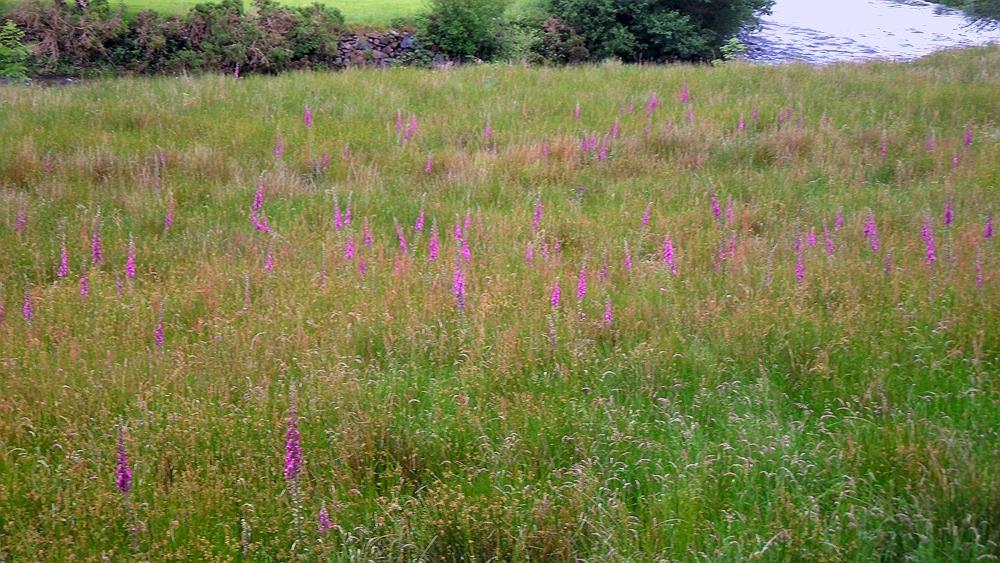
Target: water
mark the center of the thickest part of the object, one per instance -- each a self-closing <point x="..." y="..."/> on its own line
<point x="820" y="31"/>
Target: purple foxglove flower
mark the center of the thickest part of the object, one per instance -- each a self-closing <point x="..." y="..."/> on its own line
<point x="418" y="225"/>
<point x="608" y="314"/>
<point x="800" y="262"/>
<point x="689" y="115"/>
<point x="887" y="263"/>
<point x="338" y="217"/>
<point x="399" y="121"/>
<point x="47" y="164"/>
<point x="615" y="129"/>
<point x="324" y="162"/>
<point x="828" y="242"/>
<point x="529" y="253"/>
<point x="651" y="106"/>
<point x="466" y="251"/>
<point x="28" y="307"/>
<point x="279" y="146"/>
<point x="684" y="96"/>
<point x="811" y="238"/>
<point x="668" y="254"/>
<point x="96" y="247"/>
<point x="307" y="117"/>
<point x="21" y="221"/>
<point x="428" y="165"/>
<point x="929" y="143"/>
<point x="883" y="149"/>
<point x="488" y="130"/>
<point x="545" y="149"/>
<point x="556" y="295"/>
<point x="581" y="284"/>
<point x="730" y="213"/>
<point x="362" y="268"/>
<point x="988" y="227"/>
<point x="628" y="260"/>
<point x="603" y="273"/>
<point x="927" y="234"/>
<point x="716" y="210"/>
<point x="324" y="525"/>
<point x="123" y="473"/>
<point x="63" y="270"/>
<point x="870" y="231"/>
<point x="158" y="335"/>
<point x="458" y="286"/>
<point x="741" y="125"/>
<point x="576" y="111"/>
<point x="349" y="249"/>
<point x="967" y="137"/>
<point x="949" y="212"/>
<point x="433" y="245"/>
<point x="824" y="121"/>
<point x="367" y="233"/>
<point x="411" y="129"/>
<point x="130" y="259"/>
<point x="954" y="160"/>
<point x="84" y="284"/>
<point x="258" y="197"/>
<point x="293" y="447"/>
<point x="838" y="221"/>
<point x="647" y="214"/>
<point x="168" y="217"/>
<point x="269" y="261"/>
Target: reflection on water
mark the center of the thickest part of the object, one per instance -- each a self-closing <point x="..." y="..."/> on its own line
<point x="818" y="31"/>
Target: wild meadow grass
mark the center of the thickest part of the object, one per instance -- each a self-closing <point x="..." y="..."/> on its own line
<point x="774" y="335"/>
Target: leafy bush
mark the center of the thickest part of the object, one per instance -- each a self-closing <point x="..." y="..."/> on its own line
<point x="656" y="30"/>
<point x="13" y="53"/>
<point x="561" y="44"/>
<point x="519" y="41"/>
<point x="464" y="28"/>
<point x="220" y="36"/>
<point x="65" y="39"/>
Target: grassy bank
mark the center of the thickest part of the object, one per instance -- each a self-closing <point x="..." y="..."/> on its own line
<point x="750" y="394"/>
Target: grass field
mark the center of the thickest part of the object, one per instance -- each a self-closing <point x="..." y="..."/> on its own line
<point x="770" y="340"/>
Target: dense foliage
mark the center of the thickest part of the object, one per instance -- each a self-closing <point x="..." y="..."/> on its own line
<point x="657" y="30"/>
<point x="70" y="39"/>
<point x="464" y="28"/>
<point x="88" y="36"/>
<point x="13" y="53"/>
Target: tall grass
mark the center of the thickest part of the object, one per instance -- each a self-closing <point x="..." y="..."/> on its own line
<point x="739" y="407"/>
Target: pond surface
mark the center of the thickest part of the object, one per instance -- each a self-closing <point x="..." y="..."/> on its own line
<point x="822" y="31"/>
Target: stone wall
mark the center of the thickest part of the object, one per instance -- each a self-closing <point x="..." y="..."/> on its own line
<point x="373" y="48"/>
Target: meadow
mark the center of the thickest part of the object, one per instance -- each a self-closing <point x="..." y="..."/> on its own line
<point x="607" y="313"/>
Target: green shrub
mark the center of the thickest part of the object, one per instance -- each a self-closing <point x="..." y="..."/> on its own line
<point x="13" y="53"/>
<point x="657" y="30"/>
<point x="464" y="28"/>
<point x="85" y="38"/>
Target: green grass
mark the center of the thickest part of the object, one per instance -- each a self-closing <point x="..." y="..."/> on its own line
<point x="728" y="412"/>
